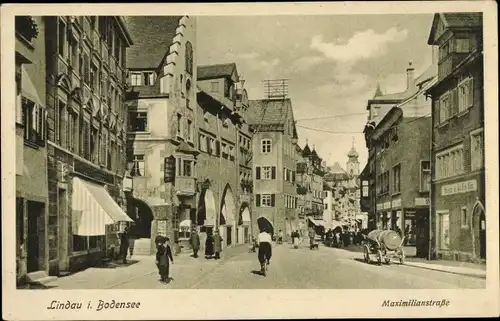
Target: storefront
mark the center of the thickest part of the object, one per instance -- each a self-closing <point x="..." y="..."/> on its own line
<point x="96" y="223"/>
<point x="460" y="226"/>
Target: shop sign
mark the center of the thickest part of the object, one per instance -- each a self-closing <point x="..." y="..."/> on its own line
<point x="459" y="188"/>
<point x="380" y="207"/>
<point x="422" y="201"/>
<point x="161" y="227"/>
<point x="396" y="203"/>
<point x="410" y="213"/>
<point x="387" y="205"/>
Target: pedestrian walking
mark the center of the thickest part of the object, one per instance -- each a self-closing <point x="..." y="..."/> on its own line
<point x="163" y="259"/>
<point x="124" y="245"/>
<point x="280" y="237"/>
<point x="217" y="245"/>
<point x="195" y="243"/>
<point x="209" y="246"/>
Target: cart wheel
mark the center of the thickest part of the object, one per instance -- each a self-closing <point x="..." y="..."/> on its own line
<point x="366" y="252"/>
<point x="379" y="257"/>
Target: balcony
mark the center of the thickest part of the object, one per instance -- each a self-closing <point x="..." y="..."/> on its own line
<point x="185" y="186"/>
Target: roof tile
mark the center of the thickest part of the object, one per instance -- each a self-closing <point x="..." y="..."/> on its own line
<point x="215" y="71"/>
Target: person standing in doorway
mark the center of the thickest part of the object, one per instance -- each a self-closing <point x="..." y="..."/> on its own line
<point x="209" y="246"/>
<point x="217" y="244"/>
<point x="124" y="245"/>
<point x="163" y="259"/>
<point x="195" y="242"/>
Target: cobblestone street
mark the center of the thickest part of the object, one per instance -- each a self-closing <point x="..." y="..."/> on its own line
<point x="327" y="268"/>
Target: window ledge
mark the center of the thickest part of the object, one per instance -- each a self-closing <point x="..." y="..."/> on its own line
<point x="444" y="123"/>
<point x="464" y="227"/>
<point x="31" y="144"/>
<point x="139" y="133"/>
<point x="396" y="194"/>
<point x="463" y="112"/>
<point x="422" y="191"/>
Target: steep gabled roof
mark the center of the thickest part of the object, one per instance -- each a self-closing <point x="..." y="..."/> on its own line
<point x="216" y="71"/>
<point x="454" y="20"/>
<point x="270" y="114"/>
<point x="153" y="36"/>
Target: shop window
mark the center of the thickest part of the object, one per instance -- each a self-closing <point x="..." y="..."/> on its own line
<point x="464" y="220"/>
<point x="444" y="230"/>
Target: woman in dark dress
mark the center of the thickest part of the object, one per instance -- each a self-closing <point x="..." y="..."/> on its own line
<point x="163" y="259"/>
<point x="209" y="246"/>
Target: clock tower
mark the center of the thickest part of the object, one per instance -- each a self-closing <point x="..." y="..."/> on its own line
<point x="353" y="162"/>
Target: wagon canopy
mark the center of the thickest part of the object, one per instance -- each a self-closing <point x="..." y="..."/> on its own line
<point x="390" y="239"/>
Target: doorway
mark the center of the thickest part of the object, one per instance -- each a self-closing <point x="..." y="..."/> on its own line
<point x="482" y="235"/>
<point x="35" y="215"/>
<point x="143" y="220"/>
<point x="229" y="235"/>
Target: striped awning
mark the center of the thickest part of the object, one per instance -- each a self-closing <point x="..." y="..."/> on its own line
<point x="93" y="209"/>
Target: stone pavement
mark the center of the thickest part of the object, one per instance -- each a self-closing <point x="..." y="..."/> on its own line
<point x="113" y="274"/>
<point x="455" y="267"/>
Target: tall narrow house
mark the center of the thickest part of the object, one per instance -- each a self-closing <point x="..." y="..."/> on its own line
<point x="458" y="176"/>
<point x="32" y="235"/>
<point x="161" y="136"/>
<point x="274" y="162"/>
<point x="224" y="173"/>
<point x="86" y="137"/>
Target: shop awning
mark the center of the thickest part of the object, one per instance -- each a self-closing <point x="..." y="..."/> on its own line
<point x="185" y="223"/>
<point x="93" y="209"/>
<point x="317" y="222"/>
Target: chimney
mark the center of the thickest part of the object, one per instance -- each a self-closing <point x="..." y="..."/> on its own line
<point x="410" y="76"/>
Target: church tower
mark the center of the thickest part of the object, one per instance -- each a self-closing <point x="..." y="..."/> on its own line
<point x="353" y="162"/>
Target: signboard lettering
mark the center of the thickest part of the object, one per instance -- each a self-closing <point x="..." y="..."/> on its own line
<point x="459" y="188"/>
<point x="387" y="205"/>
<point x="396" y="202"/>
<point x="421" y="201"/>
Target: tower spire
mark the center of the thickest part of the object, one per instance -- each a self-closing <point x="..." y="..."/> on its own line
<point x="378" y="91"/>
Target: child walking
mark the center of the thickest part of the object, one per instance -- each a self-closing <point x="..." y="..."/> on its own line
<point x="163" y="259"/>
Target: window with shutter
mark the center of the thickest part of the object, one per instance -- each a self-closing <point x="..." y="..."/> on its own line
<point x="257" y="200"/>
<point x="273" y="200"/>
<point x="217" y="148"/>
<point x="273" y="172"/>
<point x="257" y="172"/>
<point x="293" y="176"/>
<point x="470" y="95"/>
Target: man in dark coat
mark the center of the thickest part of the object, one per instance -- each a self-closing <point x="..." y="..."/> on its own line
<point x="195" y="243"/>
<point x="124" y="245"/>
<point x="217" y="245"/>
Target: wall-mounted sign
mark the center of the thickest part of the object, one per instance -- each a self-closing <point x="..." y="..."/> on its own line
<point x="380" y="207"/>
<point x="459" y="188"/>
<point x="396" y="202"/>
<point x="422" y="201"/>
<point x="387" y="205"/>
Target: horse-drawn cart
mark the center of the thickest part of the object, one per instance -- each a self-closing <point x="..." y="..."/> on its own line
<point x="385" y="245"/>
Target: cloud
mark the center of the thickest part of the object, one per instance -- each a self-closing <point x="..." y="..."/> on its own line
<point x="345" y="82"/>
<point x="362" y="45"/>
<point x="305" y="63"/>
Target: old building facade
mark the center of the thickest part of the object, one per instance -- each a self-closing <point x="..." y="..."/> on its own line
<point x="458" y="176"/>
<point x="32" y="219"/>
<point x="224" y="172"/>
<point x="310" y="170"/>
<point x="378" y="107"/>
<point x="274" y="162"/>
<point x="86" y="137"/>
<point x="161" y="141"/>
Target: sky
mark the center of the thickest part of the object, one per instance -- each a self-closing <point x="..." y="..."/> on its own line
<point x="333" y="64"/>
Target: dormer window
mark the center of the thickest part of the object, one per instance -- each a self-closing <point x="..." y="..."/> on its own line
<point x="144" y="78"/>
